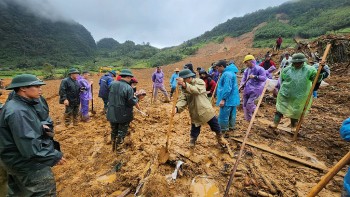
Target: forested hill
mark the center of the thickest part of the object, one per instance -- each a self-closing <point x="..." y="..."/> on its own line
<point x="27" y="40"/>
<point x="304" y="18"/>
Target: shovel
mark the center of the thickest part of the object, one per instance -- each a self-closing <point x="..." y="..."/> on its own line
<point x="163" y="155"/>
<point x="92" y="100"/>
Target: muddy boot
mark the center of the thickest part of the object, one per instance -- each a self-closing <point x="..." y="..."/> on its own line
<point x="75" y="121"/>
<point x="167" y="99"/>
<point x="192" y="142"/>
<point x="222" y="142"/>
<point x="293" y="129"/>
<point x="113" y="145"/>
<point x="273" y="126"/>
<point x="66" y="120"/>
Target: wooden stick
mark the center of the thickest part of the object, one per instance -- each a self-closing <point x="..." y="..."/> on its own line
<point x="213" y="96"/>
<point x="240" y="88"/>
<point x="331" y="173"/>
<point x="286" y="156"/>
<point x="244" y="141"/>
<point x="311" y="90"/>
<point x="124" y="193"/>
<point x="171" y="117"/>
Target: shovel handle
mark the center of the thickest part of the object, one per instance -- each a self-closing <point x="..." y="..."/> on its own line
<point x="172" y="116"/>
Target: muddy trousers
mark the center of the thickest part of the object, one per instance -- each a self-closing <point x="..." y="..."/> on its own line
<point x="105" y="104"/>
<point x="84" y="109"/>
<point x="172" y="91"/>
<point x="214" y="126"/>
<point x="163" y="90"/>
<point x="119" y="131"/>
<point x="71" y="111"/>
<point x="227" y="117"/>
<point x="3" y="182"/>
<point x="36" y="183"/>
<point x="249" y="105"/>
<point x="279" y="116"/>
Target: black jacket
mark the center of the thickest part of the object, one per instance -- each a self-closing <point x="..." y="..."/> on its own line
<point x="121" y="100"/>
<point x="23" y="145"/>
<point x="70" y="90"/>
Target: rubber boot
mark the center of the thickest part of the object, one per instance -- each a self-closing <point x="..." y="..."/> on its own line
<point x="273" y="125"/>
<point x="192" y="142"/>
<point x="75" y="121"/>
<point x="222" y="142"/>
<point x="167" y="100"/>
<point x="67" y="120"/>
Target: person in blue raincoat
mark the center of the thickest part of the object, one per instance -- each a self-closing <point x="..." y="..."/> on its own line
<point x="173" y="82"/>
<point x="227" y="96"/>
<point x="345" y="134"/>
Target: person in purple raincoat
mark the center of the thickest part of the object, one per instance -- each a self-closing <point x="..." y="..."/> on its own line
<point x="254" y="78"/>
<point x="158" y="83"/>
<point x="85" y="96"/>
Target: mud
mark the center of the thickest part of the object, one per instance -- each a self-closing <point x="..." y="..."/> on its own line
<point x="93" y="170"/>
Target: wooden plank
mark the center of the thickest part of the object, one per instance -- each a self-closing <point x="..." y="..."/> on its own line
<point x="289" y="157"/>
<point x="125" y="193"/>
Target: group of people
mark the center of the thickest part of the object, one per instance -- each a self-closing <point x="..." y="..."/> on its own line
<point x="27" y="150"/>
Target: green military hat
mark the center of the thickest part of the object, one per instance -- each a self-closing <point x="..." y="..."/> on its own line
<point x="298" y="57"/>
<point x="24" y="80"/>
<point x="126" y="72"/>
<point x="186" y="73"/>
<point x="73" y="71"/>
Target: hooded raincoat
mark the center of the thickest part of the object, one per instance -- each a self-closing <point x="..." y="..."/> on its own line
<point x="252" y="89"/>
<point x="294" y="90"/>
<point x="228" y="91"/>
<point x="345" y="134"/>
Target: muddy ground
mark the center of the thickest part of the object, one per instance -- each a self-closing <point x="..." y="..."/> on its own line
<point x="93" y="170"/>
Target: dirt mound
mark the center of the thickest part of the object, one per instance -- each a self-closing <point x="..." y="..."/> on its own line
<point x="93" y="170"/>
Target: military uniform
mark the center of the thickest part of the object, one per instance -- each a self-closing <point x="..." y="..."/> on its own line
<point x="70" y="90"/>
<point x="26" y="153"/>
<point x="121" y="101"/>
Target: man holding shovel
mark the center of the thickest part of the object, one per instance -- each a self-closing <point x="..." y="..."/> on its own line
<point x="296" y="82"/>
<point x="193" y="95"/>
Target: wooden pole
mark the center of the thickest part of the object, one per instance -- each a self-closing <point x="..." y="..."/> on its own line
<point x="326" y="178"/>
<point x="311" y="90"/>
<point x="172" y="116"/>
<point x="309" y="164"/>
<point x="244" y="141"/>
<point x="213" y="96"/>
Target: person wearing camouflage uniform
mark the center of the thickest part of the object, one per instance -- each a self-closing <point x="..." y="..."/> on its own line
<point x="70" y="96"/>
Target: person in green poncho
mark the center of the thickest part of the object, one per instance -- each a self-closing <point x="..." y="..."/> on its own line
<point x="296" y="82"/>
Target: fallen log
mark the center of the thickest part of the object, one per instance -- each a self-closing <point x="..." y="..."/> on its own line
<point x="289" y="157"/>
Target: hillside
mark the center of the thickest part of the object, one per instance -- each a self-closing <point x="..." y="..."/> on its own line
<point x="304" y="18"/>
<point x="27" y="40"/>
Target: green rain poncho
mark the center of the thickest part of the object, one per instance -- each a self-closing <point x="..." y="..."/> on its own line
<point x="295" y="87"/>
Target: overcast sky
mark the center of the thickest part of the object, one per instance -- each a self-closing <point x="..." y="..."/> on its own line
<point x="163" y="23"/>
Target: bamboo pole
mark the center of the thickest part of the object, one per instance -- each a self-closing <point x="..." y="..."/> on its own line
<point x="331" y="173"/>
<point x="311" y="90"/>
<point x="244" y="141"/>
